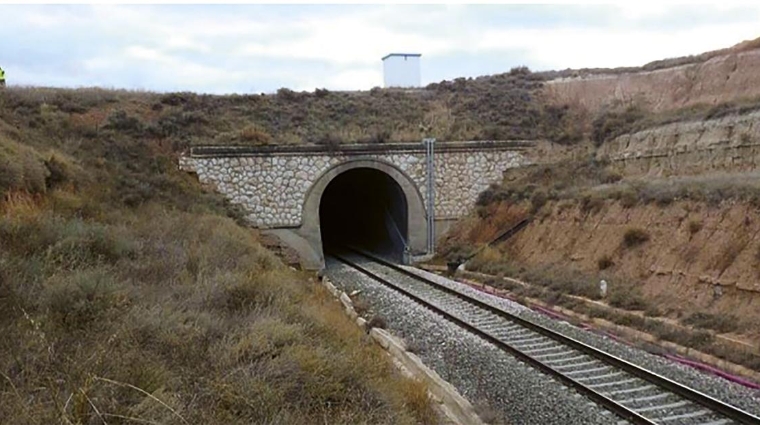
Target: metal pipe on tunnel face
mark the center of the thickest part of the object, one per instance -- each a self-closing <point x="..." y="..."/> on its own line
<point x="365" y="207"/>
<point x="430" y="187"/>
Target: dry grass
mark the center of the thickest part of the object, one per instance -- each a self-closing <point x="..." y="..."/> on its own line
<point x="604" y="262"/>
<point x="590" y="182"/>
<point x="130" y="295"/>
<point x="191" y="315"/>
<point x="505" y="106"/>
<point x="722" y="323"/>
<point x="694" y="226"/>
<point x="635" y="236"/>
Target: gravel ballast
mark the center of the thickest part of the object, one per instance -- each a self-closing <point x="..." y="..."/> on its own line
<point x="745" y="398"/>
<point x="504" y="389"/>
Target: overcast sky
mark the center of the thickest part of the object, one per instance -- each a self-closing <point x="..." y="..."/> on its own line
<point x="258" y="48"/>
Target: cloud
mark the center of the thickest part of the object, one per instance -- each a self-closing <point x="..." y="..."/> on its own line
<point x="241" y="48"/>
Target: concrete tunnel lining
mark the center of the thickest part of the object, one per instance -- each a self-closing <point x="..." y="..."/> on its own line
<point x="416" y="215"/>
<point x="366" y="208"/>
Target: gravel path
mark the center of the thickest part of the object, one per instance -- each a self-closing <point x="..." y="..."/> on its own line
<point x="722" y="389"/>
<point x="505" y="389"/>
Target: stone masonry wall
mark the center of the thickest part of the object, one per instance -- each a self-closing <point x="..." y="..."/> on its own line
<point x="273" y="188"/>
<point x="727" y="144"/>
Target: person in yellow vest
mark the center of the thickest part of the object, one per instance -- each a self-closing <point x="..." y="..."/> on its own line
<point x="2" y="77"/>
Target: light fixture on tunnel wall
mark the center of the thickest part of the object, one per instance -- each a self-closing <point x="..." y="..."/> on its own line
<point x="430" y="188"/>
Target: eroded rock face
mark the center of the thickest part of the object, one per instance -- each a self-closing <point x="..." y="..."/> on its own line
<point x="273" y="188"/>
<point x="728" y="144"/>
<point x="718" y="80"/>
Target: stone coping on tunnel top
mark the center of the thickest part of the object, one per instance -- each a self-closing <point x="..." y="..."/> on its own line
<point x="355" y="149"/>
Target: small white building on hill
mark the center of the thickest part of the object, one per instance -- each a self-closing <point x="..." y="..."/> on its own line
<point x="401" y="70"/>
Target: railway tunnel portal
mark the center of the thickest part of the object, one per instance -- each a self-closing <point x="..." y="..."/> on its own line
<point x="371" y="196"/>
<point x="367" y="208"/>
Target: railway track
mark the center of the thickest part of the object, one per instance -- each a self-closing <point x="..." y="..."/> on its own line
<point x="635" y="394"/>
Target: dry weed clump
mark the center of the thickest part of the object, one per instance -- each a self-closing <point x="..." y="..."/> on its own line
<point x="722" y="323"/>
<point x="694" y="226"/>
<point x="627" y="296"/>
<point x="604" y="262"/>
<point x="634" y="237"/>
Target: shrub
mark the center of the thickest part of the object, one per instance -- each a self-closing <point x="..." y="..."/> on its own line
<point x="563" y="280"/>
<point x="627" y="297"/>
<point x="21" y="168"/>
<point x="380" y="136"/>
<point x="700" y="340"/>
<point x="122" y="122"/>
<point x="78" y="300"/>
<point x="82" y="244"/>
<point x="59" y="172"/>
<point x="604" y="262"/>
<point x="377" y="322"/>
<point x="254" y="135"/>
<point x="614" y="122"/>
<point x="635" y="237"/>
<point x="694" y="226"/>
<point x="361" y="306"/>
<point x="719" y="322"/>
<point x="592" y="203"/>
<point x="561" y="125"/>
<point x="242" y="293"/>
<point x="628" y="198"/>
<point x="652" y="311"/>
<point x="537" y="200"/>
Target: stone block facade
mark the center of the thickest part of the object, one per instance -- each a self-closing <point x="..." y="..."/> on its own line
<point x="272" y="183"/>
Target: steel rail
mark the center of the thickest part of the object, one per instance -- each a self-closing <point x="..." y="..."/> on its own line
<point x="608" y="403"/>
<point x="705" y="400"/>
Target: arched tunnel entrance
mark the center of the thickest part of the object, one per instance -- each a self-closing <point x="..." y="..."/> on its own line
<point x="365" y="208"/>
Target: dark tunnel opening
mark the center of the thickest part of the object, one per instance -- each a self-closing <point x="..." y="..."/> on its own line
<point x="367" y="209"/>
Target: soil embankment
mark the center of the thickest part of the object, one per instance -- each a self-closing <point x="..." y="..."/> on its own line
<point x="717" y="80"/>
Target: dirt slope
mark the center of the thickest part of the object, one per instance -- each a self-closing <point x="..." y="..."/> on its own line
<point x="696" y="259"/>
<point x="719" y="79"/>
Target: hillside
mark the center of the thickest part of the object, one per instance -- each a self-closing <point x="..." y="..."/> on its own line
<point x="659" y="198"/>
<point x="130" y="294"/>
<point x="499" y="107"/>
<point x="705" y="86"/>
<point x="684" y="250"/>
